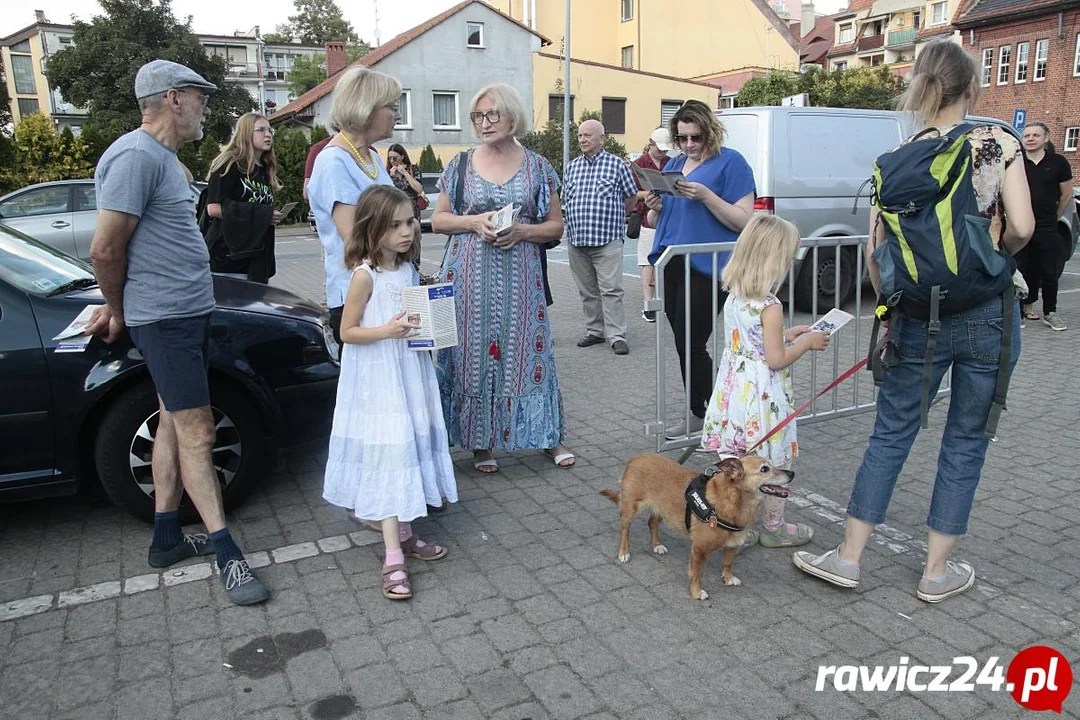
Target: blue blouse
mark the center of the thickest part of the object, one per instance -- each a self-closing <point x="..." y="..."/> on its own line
<point x="685" y="222"/>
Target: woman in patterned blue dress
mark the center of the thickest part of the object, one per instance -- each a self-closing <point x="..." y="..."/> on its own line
<point x="499" y="387"/>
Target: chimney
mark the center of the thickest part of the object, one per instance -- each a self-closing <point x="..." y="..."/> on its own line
<point x="809" y="19"/>
<point x="335" y="57"/>
<point x="40" y="15"/>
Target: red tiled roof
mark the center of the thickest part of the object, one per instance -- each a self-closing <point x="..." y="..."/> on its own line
<point x="396" y="43"/>
<point x="974" y="12"/>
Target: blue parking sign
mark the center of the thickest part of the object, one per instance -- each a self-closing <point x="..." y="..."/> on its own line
<point x="1019" y="119"/>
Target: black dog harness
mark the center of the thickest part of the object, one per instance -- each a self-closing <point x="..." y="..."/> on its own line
<point x="697" y="505"/>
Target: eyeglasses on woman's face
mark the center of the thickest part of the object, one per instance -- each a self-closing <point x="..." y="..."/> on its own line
<point x="265" y="130"/>
<point x="694" y="138"/>
<point x="492" y="116"/>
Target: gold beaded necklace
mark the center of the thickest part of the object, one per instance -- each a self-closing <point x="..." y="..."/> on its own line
<point x="373" y="171"/>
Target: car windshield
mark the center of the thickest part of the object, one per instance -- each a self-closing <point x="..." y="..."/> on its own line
<point x="36" y="268"/>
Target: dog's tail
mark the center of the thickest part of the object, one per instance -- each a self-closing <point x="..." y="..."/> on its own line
<point x="611" y="495"/>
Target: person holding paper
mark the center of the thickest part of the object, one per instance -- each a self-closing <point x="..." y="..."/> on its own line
<point x="600" y="191"/>
<point x="753" y="392"/>
<point x="365" y="110"/>
<point x="715" y="202"/>
<point x="240" y="202"/>
<point x="389" y="459"/>
<point x="655" y="157"/>
<point x="499" y="386"/>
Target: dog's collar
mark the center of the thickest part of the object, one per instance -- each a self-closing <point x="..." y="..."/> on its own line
<point x="697" y="505"/>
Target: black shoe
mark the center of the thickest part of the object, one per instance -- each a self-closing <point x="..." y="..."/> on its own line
<point x="590" y="340"/>
<point x="648" y="315"/>
<point x="191" y="546"/>
<point x="620" y="347"/>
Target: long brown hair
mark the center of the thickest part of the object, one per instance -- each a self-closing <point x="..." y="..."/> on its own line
<point x="240" y="151"/>
<point x="374" y="218"/>
<point x="697" y="112"/>
<point x="944" y="72"/>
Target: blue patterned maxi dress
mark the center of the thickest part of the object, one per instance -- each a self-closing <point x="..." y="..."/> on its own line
<point x="499" y="388"/>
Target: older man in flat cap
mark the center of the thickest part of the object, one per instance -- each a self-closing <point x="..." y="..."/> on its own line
<point x="154" y="271"/>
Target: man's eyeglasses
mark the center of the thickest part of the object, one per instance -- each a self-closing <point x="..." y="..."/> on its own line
<point x="492" y="116"/>
<point x="696" y="137"/>
<point x="203" y="97"/>
<point x="265" y="130"/>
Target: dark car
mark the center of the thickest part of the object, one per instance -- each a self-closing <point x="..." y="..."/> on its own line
<point x="66" y="417"/>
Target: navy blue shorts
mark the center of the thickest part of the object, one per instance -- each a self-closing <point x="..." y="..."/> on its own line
<point x="177" y="353"/>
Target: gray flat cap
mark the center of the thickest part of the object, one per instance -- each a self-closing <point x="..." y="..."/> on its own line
<point x="157" y="76"/>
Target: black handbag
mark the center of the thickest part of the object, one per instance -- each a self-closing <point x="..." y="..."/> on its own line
<point x="633" y="225"/>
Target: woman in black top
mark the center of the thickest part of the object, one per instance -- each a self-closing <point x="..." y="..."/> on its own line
<point x="403" y="173"/>
<point x="240" y="202"/>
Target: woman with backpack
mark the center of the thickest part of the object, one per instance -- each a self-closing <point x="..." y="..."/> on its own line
<point x="240" y="203"/>
<point x="907" y="248"/>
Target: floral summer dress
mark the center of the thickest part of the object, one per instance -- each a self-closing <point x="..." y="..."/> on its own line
<point x="749" y="399"/>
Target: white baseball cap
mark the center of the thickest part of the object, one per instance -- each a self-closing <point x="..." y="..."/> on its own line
<point x="662" y="138"/>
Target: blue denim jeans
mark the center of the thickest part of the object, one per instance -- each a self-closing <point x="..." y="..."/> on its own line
<point x="970" y="343"/>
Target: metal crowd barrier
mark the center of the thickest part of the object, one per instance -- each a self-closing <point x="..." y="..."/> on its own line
<point x="813" y="371"/>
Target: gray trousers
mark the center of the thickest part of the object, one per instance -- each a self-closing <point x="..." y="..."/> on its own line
<point x="598" y="272"/>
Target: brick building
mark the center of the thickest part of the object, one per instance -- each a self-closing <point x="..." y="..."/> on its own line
<point x="1029" y="54"/>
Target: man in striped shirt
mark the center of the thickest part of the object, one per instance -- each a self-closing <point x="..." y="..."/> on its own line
<point x="598" y="191"/>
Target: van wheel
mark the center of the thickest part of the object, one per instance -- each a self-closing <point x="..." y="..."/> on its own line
<point x="125" y="443"/>
<point x="826" y="280"/>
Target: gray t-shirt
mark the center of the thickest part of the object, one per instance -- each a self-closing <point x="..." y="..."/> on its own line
<point x="168" y="265"/>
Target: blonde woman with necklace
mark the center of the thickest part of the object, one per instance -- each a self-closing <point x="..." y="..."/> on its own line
<point x="365" y="109"/>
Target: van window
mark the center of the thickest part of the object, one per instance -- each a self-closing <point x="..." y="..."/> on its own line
<point x="839" y="146"/>
<point x="742" y="136"/>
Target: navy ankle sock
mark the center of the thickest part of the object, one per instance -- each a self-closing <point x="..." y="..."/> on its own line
<point x="167" y="532"/>
<point x="225" y="547"/>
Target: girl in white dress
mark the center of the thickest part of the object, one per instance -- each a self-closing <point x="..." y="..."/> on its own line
<point x="753" y="390"/>
<point x="389" y="456"/>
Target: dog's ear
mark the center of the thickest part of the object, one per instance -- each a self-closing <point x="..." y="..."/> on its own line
<point x="731" y="468"/>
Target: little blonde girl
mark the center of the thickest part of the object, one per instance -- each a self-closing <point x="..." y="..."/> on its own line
<point x="389" y="456"/>
<point x="753" y="390"/>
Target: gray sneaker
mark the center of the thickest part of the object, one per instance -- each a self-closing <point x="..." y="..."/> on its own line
<point x="959" y="577"/>
<point x="241" y="586"/>
<point x="679" y="429"/>
<point x="827" y="567"/>
<point x="1052" y="321"/>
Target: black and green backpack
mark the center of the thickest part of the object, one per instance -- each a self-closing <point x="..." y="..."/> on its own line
<point x="938" y="258"/>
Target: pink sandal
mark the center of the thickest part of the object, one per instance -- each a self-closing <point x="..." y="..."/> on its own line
<point x="427" y="551"/>
<point x="389" y="585"/>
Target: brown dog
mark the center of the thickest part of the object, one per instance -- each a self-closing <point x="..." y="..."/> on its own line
<point x="659" y="483"/>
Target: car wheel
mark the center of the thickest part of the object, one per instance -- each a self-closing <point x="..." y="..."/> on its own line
<point x="827" y="282"/>
<point x="125" y="444"/>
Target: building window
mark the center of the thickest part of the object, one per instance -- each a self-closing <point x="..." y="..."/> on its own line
<point x="1021" y="62"/>
<point x="847" y="33"/>
<point x="27" y="106"/>
<point x="1072" y="139"/>
<point x="405" y="110"/>
<point x="474" y="32"/>
<point x="555" y="108"/>
<point x="916" y="19"/>
<point x="628" y="56"/>
<point x="668" y="108"/>
<point x="613" y="115"/>
<point x="1004" y="58"/>
<point x="22" y="47"/>
<point x="65" y="40"/>
<point x="987" y="65"/>
<point x="726" y="103"/>
<point x="1076" y="58"/>
<point x="444" y="112"/>
<point x="1042" y="50"/>
<point x="627" y="10"/>
<point x="22" y="68"/>
<point x="939" y="13"/>
<point x="840" y="65"/>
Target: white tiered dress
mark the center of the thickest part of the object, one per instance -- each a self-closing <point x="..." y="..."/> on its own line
<point x="389" y="454"/>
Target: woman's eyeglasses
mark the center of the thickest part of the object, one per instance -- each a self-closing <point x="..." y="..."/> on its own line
<point x="492" y="116"/>
<point x="696" y="137"/>
<point x="265" y="130"/>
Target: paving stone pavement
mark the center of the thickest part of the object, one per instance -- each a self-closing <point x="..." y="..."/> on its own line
<point x="530" y="615"/>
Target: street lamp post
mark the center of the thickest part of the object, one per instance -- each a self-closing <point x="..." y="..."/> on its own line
<point x="566" y="94"/>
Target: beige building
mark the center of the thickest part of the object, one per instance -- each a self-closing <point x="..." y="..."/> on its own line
<point x="722" y="43"/>
<point x="888" y="32"/>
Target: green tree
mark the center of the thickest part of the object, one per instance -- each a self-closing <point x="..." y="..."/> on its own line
<point x="41" y="154"/>
<point x="860" y="87"/>
<point x="767" y="90"/>
<point x="549" y="141"/>
<point x="310" y="70"/>
<point x="290" y="150"/>
<point x="275" y="37"/>
<point x="98" y="138"/>
<point x="318" y="133"/>
<point x="7" y="150"/>
<point x="98" y="71"/>
<point x="429" y="162"/>
<point x="317" y="22"/>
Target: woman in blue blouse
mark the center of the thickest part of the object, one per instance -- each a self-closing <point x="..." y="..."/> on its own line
<point x="716" y="203"/>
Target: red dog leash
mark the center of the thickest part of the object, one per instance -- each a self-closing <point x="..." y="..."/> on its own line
<point x="848" y="373"/>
